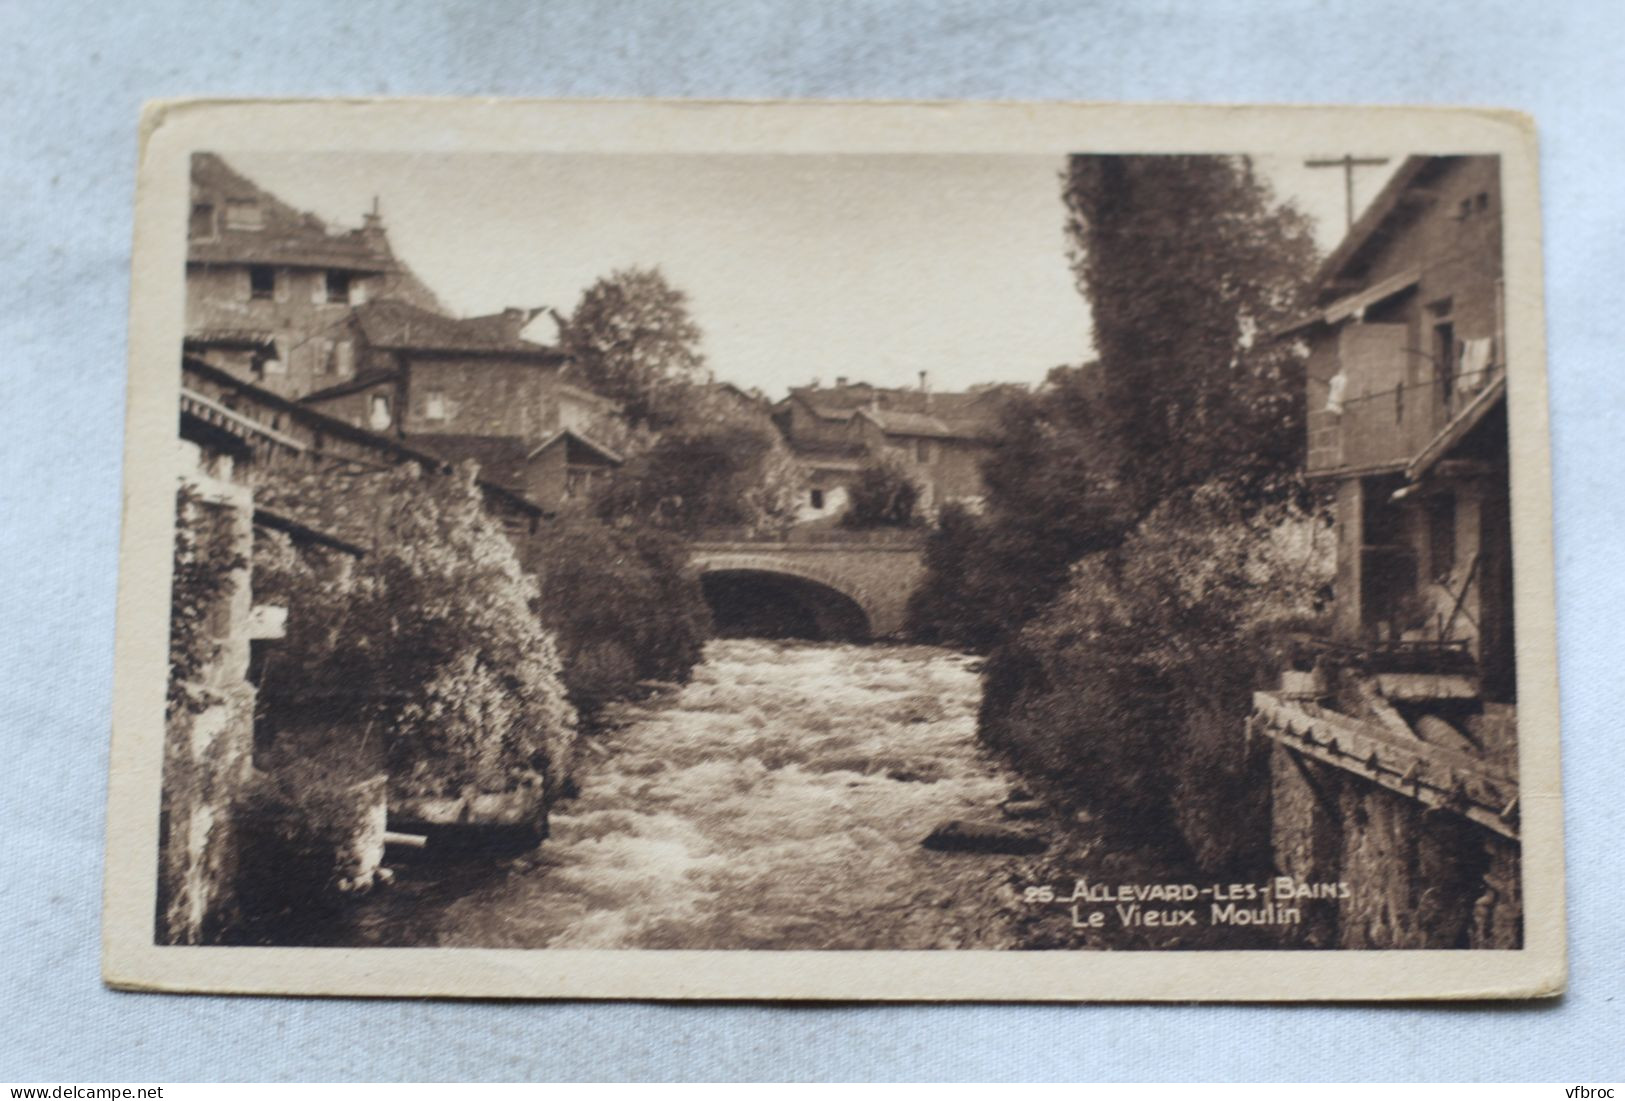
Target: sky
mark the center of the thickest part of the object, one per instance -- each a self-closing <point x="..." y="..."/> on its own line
<point x="797" y="267"/>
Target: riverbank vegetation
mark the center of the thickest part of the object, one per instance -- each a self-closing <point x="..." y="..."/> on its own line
<point x="430" y="642"/>
<point x="623" y="605"/>
<point x="1148" y="539"/>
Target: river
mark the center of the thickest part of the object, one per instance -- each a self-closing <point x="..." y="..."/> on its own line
<point x="777" y="801"/>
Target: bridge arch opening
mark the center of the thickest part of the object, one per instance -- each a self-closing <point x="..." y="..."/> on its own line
<point x="748" y="603"/>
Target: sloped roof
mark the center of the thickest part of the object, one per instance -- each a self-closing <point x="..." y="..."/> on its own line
<point x="286" y="236"/>
<point x="571" y="436"/>
<point x="391" y="324"/>
<point x="360" y="382"/>
<point x="1365" y="231"/>
<point x="333" y="426"/>
<point x="1452" y="434"/>
<point x="260" y="339"/>
<point x="895" y="422"/>
<point x="905" y="411"/>
<point x="501" y="459"/>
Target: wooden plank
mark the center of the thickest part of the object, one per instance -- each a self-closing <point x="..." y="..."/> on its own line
<point x="1426" y="686"/>
<point x="1434" y="776"/>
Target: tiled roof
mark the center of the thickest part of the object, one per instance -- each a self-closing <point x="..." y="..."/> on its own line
<point x="286" y="236"/>
<point x="231" y="338"/>
<point x="898" y="423"/>
<point x="398" y="325"/>
<point x="501" y="459"/>
<point x="360" y="382"/>
<point x="569" y="436"/>
<point x="905" y="411"/>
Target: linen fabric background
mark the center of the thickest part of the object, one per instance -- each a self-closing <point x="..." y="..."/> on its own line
<point x="72" y="81"/>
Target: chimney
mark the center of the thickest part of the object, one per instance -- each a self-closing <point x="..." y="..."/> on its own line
<point x="925" y="387"/>
<point x="840" y="381"/>
<point x="372" y="224"/>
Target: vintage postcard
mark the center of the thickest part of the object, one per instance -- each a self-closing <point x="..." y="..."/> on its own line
<point x="909" y="551"/>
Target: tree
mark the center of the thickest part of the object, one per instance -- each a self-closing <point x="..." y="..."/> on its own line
<point x="1188" y="263"/>
<point x="624" y="604"/>
<point x="431" y="639"/>
<point x="882" y="496"/>
<point x="736" y="473"/>
<point x="632" y="338"/>
<point x="1051" y="499"/>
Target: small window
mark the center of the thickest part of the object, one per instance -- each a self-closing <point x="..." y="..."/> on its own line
<point x="324" y="356"/>
<point x="338" y="286"/>
<point x="201" y="226"/>
<point x="816" y="498"/>
<point x="344" y="358"/>
<point x="378" y="412"/>
<point x="1481" y="202"/>
<point x="434" y="405"/>
<point x="922" y="451"/>
<point x="244" y="214"/>
<point x="261" y="281"/>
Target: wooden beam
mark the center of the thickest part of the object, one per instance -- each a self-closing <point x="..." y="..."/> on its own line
<point x="1435" y="776"/>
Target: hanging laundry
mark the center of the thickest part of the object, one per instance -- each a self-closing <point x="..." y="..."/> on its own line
<point x="1336" y="388"/>
<point x="1476" y="357"/>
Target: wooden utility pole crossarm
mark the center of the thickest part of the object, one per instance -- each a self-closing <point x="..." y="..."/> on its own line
<point x="1348" y="163"/>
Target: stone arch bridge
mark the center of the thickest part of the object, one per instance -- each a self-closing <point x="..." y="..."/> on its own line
<point x="840" y="586"/>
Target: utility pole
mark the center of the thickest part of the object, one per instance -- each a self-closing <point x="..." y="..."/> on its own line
<point x="1348" y="163"/>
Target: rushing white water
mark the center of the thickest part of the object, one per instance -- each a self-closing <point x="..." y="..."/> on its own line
<point x="778" y="802"/>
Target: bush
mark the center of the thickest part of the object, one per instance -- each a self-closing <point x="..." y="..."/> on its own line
<point x="623" y="603"/>
<point x="735" y="473"/>
<point x="431" y="639"/>
<point x="1132" y="686"/>
<point x="882" y="496"/>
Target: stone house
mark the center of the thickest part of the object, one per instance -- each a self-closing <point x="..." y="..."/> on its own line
<point x="268" y="287"/>
<point x="1395" y="743"/>
<point x="474" y="388"/>
<point x="939" y="439"/>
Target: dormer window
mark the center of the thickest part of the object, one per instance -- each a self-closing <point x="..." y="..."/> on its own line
<point x="244" y="214"/>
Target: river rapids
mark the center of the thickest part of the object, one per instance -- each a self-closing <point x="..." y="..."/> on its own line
<point x="777" y="801"/>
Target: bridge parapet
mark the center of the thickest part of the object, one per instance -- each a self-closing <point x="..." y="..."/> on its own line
<point x="879" y="576"/>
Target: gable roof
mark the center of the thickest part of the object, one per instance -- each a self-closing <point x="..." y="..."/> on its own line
<point x="287" y="237"/>
<point x="569" y="436"/>
<point x="400" y="326"/>
<point x="1365" y="232"/>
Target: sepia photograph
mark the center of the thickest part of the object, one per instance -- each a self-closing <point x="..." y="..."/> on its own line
<point x="1001" y="569"/>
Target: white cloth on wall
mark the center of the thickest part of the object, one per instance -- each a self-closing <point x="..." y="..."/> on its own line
<point x="1476" y="357"/>
<point x="1336" y="388"/>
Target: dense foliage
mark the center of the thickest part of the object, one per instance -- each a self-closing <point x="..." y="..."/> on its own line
<point x="1131" y="686"/>
<point x="206" y="564"/>
<point x="1147" y="535"/>
<point x="882" y="495"/>
<point x="623" y="604"/>
<point x="430" y="641"/>
<point x="1188" y="264"/>
<point x="1051" y="500"/>
<point x="728" y="473"/>
<point x="632" y="339"/>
